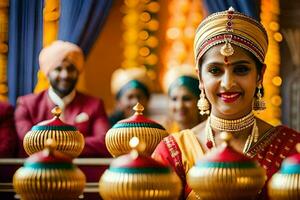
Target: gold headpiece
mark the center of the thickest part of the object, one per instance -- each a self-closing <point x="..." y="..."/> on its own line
<point x="121" y="77"/>
<point x="231" y="27"/>
<point x="176" y="72"/>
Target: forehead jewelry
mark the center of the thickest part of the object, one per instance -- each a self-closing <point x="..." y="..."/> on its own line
<point x="227" y="49"/>
<point x="226" y="61"/>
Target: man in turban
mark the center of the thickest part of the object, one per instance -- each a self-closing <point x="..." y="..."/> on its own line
<point x="63" y="62"/>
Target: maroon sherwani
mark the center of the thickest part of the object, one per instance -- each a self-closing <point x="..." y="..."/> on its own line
<point x="34" y="108"/>
<point x="8" y="136"/>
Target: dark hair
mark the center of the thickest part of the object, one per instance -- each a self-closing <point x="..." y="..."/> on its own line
<point x="259" y="67"/>
<point x="132" y="85"/>
<point x="191" y="83"/>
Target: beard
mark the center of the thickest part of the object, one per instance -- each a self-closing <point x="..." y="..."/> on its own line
<point x="63" y="90"/>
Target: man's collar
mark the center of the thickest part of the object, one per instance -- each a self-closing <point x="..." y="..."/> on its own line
<point x="61" y="102"/>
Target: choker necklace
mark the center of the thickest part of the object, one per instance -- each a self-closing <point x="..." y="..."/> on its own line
<point x="230" y="125"/>
<point x="210" y="138"/>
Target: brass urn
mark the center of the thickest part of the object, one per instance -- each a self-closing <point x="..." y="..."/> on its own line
<point x="225" y="174"/>
<point x="49" y="174"/>
<point x="136" y="176"/>
<point x="69" y="140"/>
<point x="285" y="184"/>
<point x="117" y="138"/>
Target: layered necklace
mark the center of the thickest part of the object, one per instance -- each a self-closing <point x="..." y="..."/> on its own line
<point x="232" y="126"/>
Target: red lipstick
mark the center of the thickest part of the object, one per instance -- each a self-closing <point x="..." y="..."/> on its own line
<point x="229" y="97"/>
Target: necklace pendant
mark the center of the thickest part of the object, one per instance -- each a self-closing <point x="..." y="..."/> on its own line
<point x="209" y="144"/>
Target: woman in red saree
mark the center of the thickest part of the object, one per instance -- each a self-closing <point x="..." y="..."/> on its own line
<point x="230" y="49"/>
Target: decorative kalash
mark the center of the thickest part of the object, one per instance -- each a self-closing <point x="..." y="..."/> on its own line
<point x="135" y="176"/>
<point x="285" y="184"/>
<point x="69" y="140"/>
<point x="49" y="174"/>
<point x="117" y="138"/>
<point x="226" y="174"/>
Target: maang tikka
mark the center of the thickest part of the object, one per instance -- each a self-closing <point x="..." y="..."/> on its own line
<point x="203" y="104"/>
<point x="259" y="103"/>
<point x="227" y="50"/>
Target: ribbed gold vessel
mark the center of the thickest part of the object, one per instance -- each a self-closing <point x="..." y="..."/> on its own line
<point x="117" y="138"/>
<point x="139" y="186"/>
<point x="285" y="184"/>
<point x="284" y="187"/>
<point x="69" y="140"/>
<point x="49" y="175"/>
<point x="136" y="176"/>
<point x="226" y="174"/>
<point x="226" y="182"/>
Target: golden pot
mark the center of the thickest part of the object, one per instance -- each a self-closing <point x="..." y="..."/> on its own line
<point x="49" y="174"/>
<point x="69" y="140"/>
<point x="285" y="184"/>
<point x="136" y="176"/>
<point x="224" y="174"/>
<point x="117" y="138"/>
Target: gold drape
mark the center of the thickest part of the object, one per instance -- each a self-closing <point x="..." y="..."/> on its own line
<point x="3" y="48"/>
<point x="51" y="18"/>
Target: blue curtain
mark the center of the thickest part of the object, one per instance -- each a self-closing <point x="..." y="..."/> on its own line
<point x="24" y="43"/>
<point x="248" y="7"/>
<point x="81" y="21"/>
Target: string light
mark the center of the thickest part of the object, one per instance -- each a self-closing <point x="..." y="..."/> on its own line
<point x="270" y="10"/>
<point x="184" y="17"/>
<point x="139" y="40"/>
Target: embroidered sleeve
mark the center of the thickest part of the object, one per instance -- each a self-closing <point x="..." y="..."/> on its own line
<point x="175" y="154"/>
<point x="168" y="152"/>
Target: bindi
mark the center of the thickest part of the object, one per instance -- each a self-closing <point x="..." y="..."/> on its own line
<point x="226" y="61"/>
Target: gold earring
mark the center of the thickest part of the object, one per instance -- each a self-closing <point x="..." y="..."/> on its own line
<point x="203" y="104"/>
<point x="259" y="103"/>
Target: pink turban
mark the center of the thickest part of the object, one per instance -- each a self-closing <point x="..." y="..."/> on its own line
<point x="52" y="56"/>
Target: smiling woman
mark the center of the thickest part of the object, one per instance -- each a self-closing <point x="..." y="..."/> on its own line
<point x="228" y="83"/>
<point x="182" y="86"/>
<point x="229" y="50"/>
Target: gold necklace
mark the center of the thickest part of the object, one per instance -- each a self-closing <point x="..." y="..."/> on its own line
<point x="252" y="138"/>
<point x="232" y="125"/>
